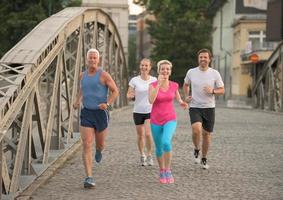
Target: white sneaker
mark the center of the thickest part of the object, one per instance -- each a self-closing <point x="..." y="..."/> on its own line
<point x="143" y="160"/>
<point x="149" y="160"/>
<point x="204" y="164"/>
<point x="196" y="156"/>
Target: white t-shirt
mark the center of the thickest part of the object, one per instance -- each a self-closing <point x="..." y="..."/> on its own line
<point x="198" y="79"/>
<point x="140" y="86"/>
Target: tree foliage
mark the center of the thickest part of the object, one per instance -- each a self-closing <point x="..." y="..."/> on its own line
<point x="19" y="17"/>
<point x="181" y="28"/>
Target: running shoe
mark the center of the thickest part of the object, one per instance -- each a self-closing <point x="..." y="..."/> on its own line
<point x="143" y="160"/>
<point x="169" y="176"/>
<point x="89" y="182"/>
<point x="98" y="155"/>
<point x="196" y="156"/>
<point x="162" y="176"/>
<point x="149" y="160"/>
<point x="204" y="164"/>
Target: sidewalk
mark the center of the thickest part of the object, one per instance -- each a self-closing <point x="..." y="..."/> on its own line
<point x="245" y="163"/>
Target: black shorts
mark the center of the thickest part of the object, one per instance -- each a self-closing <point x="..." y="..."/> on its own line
<point x="139" y="118"/>
<point x="204" y="115"/>
<point x="97" y="119"/>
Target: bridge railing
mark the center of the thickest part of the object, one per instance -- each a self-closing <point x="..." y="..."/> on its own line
<point x="267" y="92"/>
<point x="39" y="79"/>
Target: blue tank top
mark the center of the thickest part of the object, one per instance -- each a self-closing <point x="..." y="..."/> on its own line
<point x="94" y="93"/>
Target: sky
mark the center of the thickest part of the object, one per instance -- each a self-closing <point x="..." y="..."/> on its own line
<point x="134" y="9"/>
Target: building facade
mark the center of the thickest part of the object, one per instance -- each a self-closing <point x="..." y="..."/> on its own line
<point x="250" y="52"/>
<point x="239" y="34"/>
<point x="119" y="12"/>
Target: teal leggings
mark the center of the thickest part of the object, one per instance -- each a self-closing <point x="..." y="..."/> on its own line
<point x="162" y="136"/>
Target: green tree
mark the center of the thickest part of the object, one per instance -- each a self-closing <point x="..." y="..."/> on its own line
<point x="181" y="28"/>
<point x="17" y="18"/>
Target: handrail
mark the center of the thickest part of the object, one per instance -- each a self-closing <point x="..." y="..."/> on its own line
<point x="38" y="83"/>
<point x="267" y="90"/>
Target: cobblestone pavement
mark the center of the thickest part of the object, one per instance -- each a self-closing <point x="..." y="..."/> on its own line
<point x="245" y="163"/>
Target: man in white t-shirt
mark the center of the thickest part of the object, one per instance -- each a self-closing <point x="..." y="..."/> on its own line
<point x="201" y="85"/>
<point x="138" y="91"/>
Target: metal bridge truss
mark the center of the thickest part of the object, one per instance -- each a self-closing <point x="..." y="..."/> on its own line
<point x="39" y="80"/>
<point x="268" y="90"/>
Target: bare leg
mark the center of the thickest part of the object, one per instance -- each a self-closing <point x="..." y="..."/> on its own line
<point x="205" y="143"/>
<point x="140" y="138"/>
<point x="87" y="135"/>
<point x="100" y="139"/>
<point x="196" y="136"/>
<point x="148" y="137"/>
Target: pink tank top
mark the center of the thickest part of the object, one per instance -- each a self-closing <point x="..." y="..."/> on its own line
<point x="163" y="107"/>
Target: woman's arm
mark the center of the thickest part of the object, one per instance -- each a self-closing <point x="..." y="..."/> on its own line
<point x="131" y="93"/>
<point x="183" y="104"/>
<point x="153" y="91"/>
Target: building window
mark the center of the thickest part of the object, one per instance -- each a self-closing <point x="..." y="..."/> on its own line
<point x="258" y="41"/>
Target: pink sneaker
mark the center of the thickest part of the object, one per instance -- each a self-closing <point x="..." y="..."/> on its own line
<point x="169" y="176"/>
<point x="162" y="177"/>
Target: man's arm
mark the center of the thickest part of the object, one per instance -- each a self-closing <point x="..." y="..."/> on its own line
<point x="114" y="91"/>
<point x="186" y="89"/>
<point x="218" y="91"/>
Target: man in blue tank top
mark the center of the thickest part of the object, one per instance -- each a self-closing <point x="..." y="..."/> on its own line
<point x="94" y="85"/>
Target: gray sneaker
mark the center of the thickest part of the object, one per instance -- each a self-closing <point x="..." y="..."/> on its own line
<point x="143" y="160"/>
<point x="149" y="160"/>
<point x="89" y="182"/>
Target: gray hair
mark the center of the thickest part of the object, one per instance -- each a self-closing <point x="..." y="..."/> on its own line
<point x="92" y="51"/>
<point x="161" y="62"/>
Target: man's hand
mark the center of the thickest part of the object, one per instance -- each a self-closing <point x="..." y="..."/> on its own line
<point x="76" y="105"/>
<point x="208" y="90"/>
<point x="188" y="99"/>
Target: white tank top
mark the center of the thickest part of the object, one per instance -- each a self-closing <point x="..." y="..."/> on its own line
<point x="140" y="86"/>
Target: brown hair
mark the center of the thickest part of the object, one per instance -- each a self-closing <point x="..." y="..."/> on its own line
<point x="205" y="51"/>
<point x="147" y="60"/>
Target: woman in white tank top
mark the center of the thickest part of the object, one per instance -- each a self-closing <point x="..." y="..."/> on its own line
<point x="138" y="92"/>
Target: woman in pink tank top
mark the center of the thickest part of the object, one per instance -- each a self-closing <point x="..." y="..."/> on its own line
<point x="163" y="117"/>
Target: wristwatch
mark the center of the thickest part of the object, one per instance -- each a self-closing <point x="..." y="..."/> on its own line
<point x="109" y="107"/>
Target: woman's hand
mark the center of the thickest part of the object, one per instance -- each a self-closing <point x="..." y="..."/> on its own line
<point x="131" y="94"/>
<point x="183" y="104"/>
<point x="161" y="79"/>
